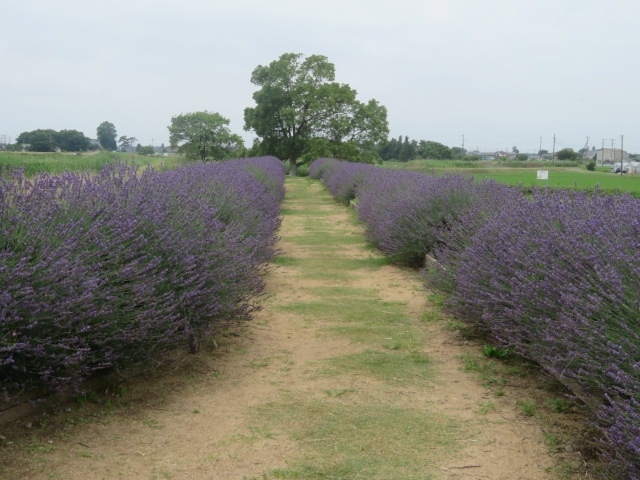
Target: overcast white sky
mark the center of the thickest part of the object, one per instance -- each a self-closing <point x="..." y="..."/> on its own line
<point x="499" y="72"/>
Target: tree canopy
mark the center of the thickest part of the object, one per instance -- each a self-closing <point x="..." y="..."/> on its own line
<point x="405" y="149"/>
<point x="50" y="140"/>
<point x="126" y="143"/>
<point x="567" y="154"/>
<point x="107" y="134"/>
<point x="204" y="136"/>
<point x="301" y="113"/>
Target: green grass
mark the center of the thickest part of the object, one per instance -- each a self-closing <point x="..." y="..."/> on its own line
<point x="525" y="174"/>
<point x="363" y="320"/>
<point x="351" y="292"/>
<point x="352" y="309"/>
<point x="57" y="163"/>
<point x="396" y="367"/>
<point x="527" y="407"/>
<point x="567" y="178"/>
<point x="326" y="241"/>
<point x="365" y="441"/>
<point x="326" y="265"/>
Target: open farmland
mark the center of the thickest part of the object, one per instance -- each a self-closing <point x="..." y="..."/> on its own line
<point x="564" y="177"/>
<point x="56" y="163"/>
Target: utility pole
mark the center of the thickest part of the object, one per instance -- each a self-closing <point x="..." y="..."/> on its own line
<point x="586" y="150"/>
<point x="553" y="155"/>
<point x="463" y="145"/>
<point x="613" y="152"/>
<point x="621" y="151"/>
<point x="540" y="149"/>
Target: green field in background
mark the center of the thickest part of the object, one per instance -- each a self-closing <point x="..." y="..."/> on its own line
<point x="565" y="177"/>
<point x="56" y="163"/>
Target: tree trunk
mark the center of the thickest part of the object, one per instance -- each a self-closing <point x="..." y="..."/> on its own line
<point x="293" y="168"/>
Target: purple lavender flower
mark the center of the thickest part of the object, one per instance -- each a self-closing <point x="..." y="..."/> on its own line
<point x="114" y="269"/>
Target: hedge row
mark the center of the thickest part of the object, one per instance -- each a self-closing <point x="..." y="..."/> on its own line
<point x="554" y="276"/>
<point x="112" y="270"/>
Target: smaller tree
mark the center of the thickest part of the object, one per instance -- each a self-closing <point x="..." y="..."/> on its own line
<point x="390" y="150"/>
<point x="146" y="150"/>
<point x="107" y="134"/>
<point x="458" y="151"/>
<point x="126" y="144"/>
<point x="515" y="150"/>
<point x="203" y="135"/>
<point x="567" y="154"/>
<point x="408" y="150"/>
<point x="433" y="150"/>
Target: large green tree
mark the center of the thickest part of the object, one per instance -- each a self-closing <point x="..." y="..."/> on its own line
<point x="107" y="135"/>
<point x="72" y="141"/>
<point x="38" y="140"/>
<point x="204" y="136"/>
<point x="302" y="113"/>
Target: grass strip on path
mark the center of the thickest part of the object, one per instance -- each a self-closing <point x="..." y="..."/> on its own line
<point x="348" y="420"/>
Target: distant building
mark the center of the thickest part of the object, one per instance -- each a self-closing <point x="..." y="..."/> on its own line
<point x="507" y="155"/>
<point x="610" y="155"/>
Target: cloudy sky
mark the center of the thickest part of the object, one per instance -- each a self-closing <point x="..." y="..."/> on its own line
<point x="499" y="72"/>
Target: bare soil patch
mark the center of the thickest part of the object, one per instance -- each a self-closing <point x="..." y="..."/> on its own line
<point x="286" y="396"/>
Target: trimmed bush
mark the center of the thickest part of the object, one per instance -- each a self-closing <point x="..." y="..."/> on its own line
<point x="112" y="270"/>
<point x="408" y="215"/>
<point x="556" y="277"/>
<point x="318" y="165"/>
<point x="342" y="179"/>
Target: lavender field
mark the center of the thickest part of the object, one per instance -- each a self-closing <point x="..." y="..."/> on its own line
<point x="112" y="270"/>
<point x="553" y="276"/>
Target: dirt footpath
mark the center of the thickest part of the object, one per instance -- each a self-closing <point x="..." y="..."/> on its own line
<point x="305" y="391"/>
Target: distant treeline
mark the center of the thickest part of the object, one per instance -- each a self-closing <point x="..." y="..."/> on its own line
<point x="48" y="140"/>
<point x="402" y="150"/>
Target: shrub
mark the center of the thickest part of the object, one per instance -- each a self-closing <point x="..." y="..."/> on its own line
<point x="409" y="215"/>
<point x="488" y="198"/>
<point x="556" y="277"/>
<point x="318" y="166"/>
<point x="342" y="179"/>
<point x="115" y="269"/>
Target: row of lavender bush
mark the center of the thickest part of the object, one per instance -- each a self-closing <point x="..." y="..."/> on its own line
<point x="114" y="269"/>
<point x="554" y="276"/>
